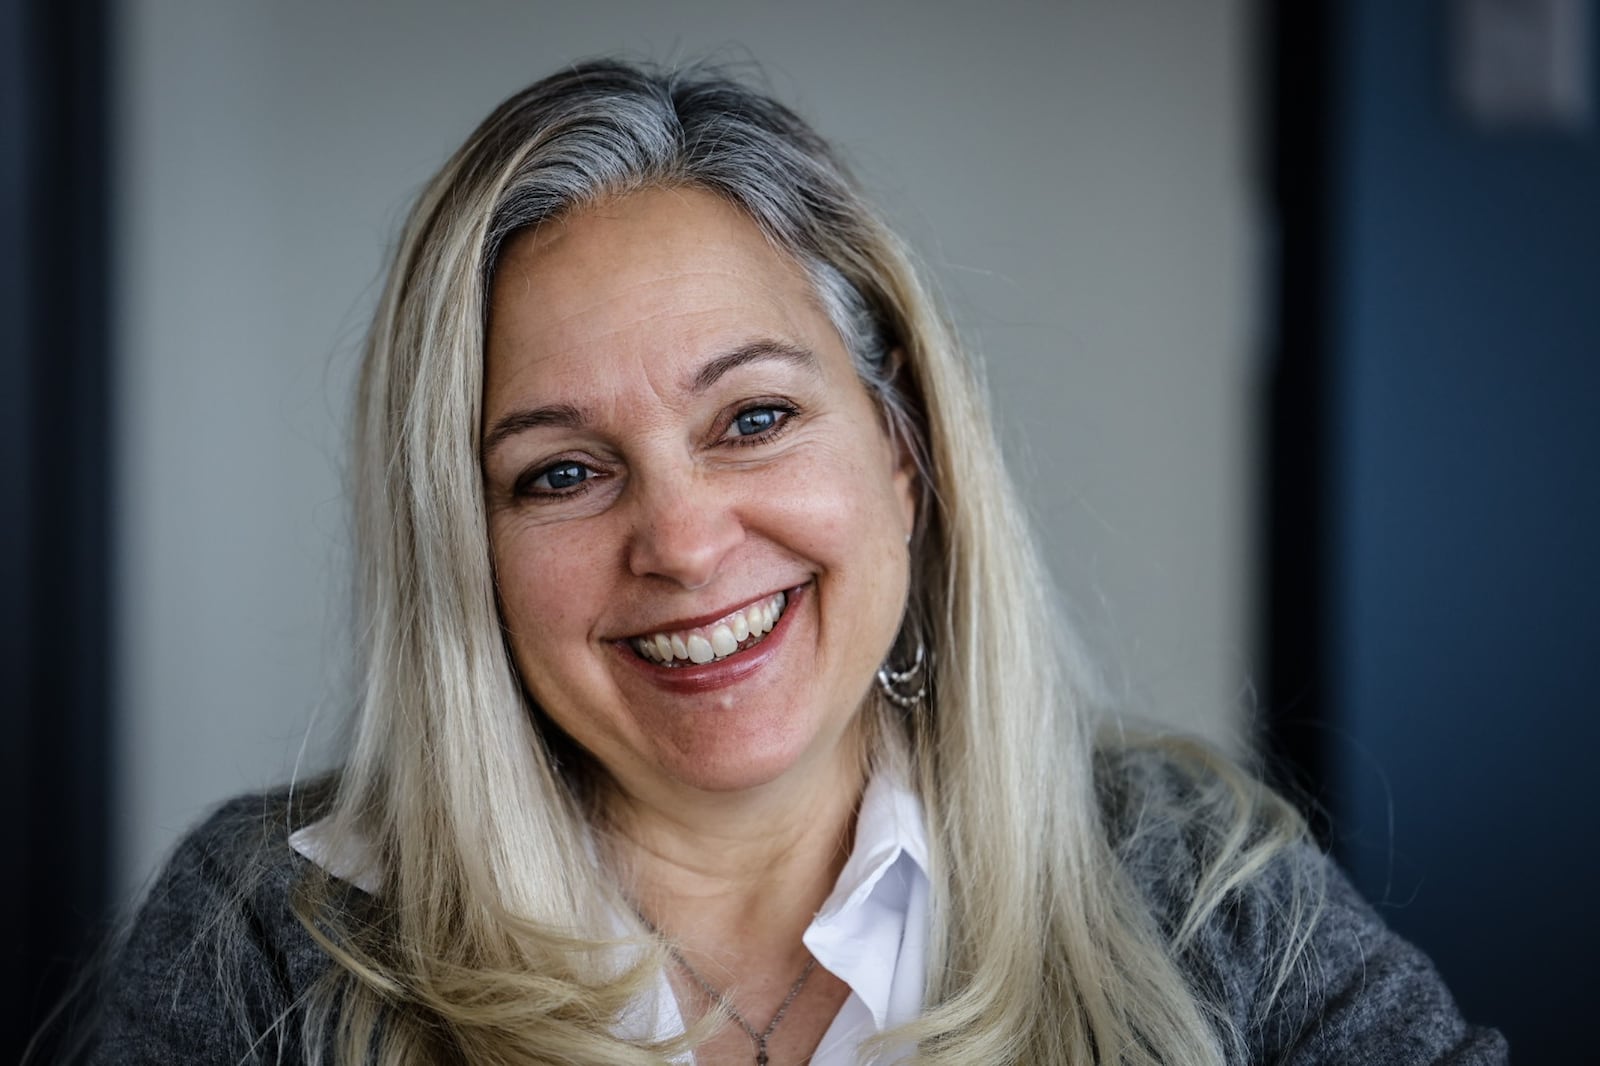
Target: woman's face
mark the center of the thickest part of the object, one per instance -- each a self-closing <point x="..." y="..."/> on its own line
<point x="697" y="520"/>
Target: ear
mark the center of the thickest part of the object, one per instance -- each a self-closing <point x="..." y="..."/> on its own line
<point x="907" y="477"/>
<point x="905" y="484"/>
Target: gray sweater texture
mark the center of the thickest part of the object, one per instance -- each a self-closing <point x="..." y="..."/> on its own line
<point x="1364" y="996"/>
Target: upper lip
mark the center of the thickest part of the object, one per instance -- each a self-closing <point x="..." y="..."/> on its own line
<point x="675" y="624"/>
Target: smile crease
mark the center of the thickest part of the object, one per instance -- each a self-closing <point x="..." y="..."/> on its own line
<point x="735" y="631"/>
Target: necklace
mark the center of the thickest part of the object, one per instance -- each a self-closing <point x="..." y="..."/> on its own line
<point x="758" y="1039"/>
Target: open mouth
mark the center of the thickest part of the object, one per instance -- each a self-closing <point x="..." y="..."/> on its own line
<point x="732" y="633"/>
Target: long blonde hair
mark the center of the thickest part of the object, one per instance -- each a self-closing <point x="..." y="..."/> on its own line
<point x="491" y="936"/>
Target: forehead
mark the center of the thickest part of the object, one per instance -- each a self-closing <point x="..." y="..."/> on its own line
<point x="659" y="275"/>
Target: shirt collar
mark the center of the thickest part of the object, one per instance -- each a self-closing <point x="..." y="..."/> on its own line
<point x="346" y="856"/>
<point x="863" y="927"/>
<point x="888" y="824"/>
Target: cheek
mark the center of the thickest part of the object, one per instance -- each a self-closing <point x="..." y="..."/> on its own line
<point x="840" y="511"/>
<point x="544" y="579"/>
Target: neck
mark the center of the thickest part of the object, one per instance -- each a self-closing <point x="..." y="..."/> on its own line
<point x="734" y="880"/>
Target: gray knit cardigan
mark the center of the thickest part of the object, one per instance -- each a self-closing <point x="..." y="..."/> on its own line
<point x="1364" y="997"/>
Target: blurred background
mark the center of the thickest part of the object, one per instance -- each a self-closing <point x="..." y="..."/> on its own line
<point x="1292" y="321"/>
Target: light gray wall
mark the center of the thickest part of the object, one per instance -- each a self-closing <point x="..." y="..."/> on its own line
<point x="1074" y="173"/>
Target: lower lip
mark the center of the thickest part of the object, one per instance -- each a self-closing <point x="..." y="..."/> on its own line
<point x="706" y="677"/>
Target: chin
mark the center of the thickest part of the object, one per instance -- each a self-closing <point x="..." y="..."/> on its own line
<point x="743" y="766"/>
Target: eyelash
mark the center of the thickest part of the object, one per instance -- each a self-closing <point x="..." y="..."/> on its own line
<point x="785" y="413"/>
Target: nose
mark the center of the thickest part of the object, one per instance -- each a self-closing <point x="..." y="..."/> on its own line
<point x="683" y="528"/>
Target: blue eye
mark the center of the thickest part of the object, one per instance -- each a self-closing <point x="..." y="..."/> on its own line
<point x="755" y="421"/>
<point x="559" y="477"/>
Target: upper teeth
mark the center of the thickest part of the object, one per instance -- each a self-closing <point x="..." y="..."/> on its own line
<point x="720" y="639"/>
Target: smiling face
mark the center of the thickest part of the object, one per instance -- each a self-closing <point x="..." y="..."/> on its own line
<point x="697" y="520"/>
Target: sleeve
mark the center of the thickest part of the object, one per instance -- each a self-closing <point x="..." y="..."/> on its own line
<point x="204" y="975"/>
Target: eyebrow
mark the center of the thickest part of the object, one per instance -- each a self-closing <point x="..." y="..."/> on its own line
<point x="566" y="416"/>
<point x="558" y="415"/>
<point x="755" y="351"/>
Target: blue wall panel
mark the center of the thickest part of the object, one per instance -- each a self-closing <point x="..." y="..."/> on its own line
<point x="1466" y="451"/>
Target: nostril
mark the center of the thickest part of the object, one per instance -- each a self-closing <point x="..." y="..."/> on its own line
<point x="683" y="539"/>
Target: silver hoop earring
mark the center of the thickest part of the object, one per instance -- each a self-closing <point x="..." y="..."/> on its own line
<point x="905" y="688"/>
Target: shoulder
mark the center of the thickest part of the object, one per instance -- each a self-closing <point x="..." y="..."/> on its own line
<point x="234" y="865"/>
<point x="243" y="842"/>
<point x="1172" y="810"/>
<point x="1146" y="785"/>
<point x="216" y="955"/>
<point x="1264" y="925"/>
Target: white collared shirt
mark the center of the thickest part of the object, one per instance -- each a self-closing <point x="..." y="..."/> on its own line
<point x="871" y="933"/>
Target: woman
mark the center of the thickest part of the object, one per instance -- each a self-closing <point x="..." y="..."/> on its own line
<point x="714" y="701"/>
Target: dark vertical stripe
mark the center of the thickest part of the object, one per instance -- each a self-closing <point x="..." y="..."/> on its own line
<point x="55" y="643"/>
<point x="1296" y="64"/>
